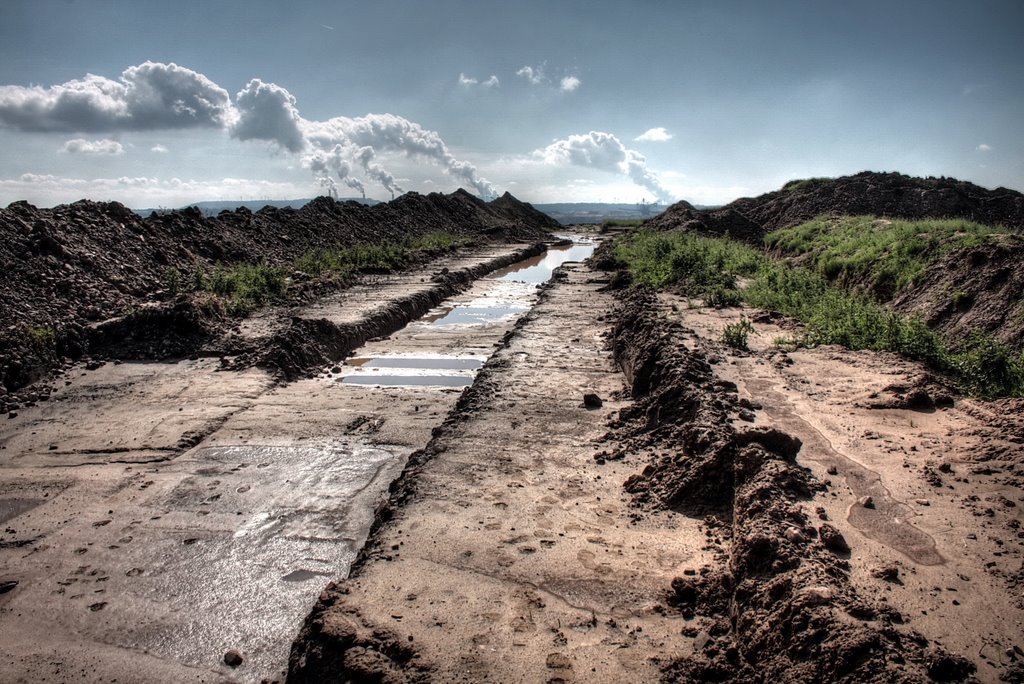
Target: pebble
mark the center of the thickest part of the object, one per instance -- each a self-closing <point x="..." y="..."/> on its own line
<point x="233" y="658"/>
<point x="866" y="502"/>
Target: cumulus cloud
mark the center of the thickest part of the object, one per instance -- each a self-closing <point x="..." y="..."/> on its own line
<point x="984" y="148"/>
<point x="149" y="96"/>
<point x="159" y="149"/>
<point x="491" y="82"/>
<point x="154" y="96"/>
<point x="604" y="151"/>
<point x="93" y="147"/>
<point x="658" y="134"/>
<point x="569" y="84"/>
<point x="466" y="81"/>
<point x="266" y="111"/>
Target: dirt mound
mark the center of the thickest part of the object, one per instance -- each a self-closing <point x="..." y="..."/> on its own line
<point x="783" y="607"/>
<point x="67" y="269"/>
<point x="981" y="288"/>
<point x="892" y="195"/>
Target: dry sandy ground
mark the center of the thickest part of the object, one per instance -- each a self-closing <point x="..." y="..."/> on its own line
<point x="156" y="515"/>
<point x="511" y="553"/>
<point x="945" y="483"/>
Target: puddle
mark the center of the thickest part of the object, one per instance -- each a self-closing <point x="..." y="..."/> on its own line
<point x="432" y="362"/>
<point x="303" y="575"/>
<point x="385" y="380"/>
<point x="539" y="269"/>
<point x="479" y="315"/>
<point x="503" y="295"/>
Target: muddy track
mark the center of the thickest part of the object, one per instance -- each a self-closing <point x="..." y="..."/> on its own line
<point x="306" y="345"/>
<point x="781" y="605"/>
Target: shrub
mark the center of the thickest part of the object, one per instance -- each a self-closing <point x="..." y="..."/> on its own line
<point x="735" y="334"/>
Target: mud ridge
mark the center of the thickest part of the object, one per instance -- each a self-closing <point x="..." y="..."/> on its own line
<point x="783" y="607"/>
<point x="340" y="642"/>
<point x="306" y="345"/>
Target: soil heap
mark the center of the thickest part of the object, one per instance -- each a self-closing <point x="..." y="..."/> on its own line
<point x="892" y="195"/>
<point x="66" y="269"/>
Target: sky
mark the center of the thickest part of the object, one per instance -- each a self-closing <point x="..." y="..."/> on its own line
<point x="158" y="104"/>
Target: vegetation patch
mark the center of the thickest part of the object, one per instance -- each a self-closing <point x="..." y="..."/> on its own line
<point x="831" y="314"/>
<point x="881" y="256"/>
<point x="244" y="287"/>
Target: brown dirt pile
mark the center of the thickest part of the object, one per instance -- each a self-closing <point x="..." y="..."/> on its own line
<point x="892" y="195"/>
<point x="64" y="270"/>
<point x="781" y="607"/>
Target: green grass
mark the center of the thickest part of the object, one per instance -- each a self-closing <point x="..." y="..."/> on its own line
<point x="41" y="337"/>
<point x="831" y="314"/>
<point x="245" y="287"/>
<point x="621" y="223"/>
<point x="880" y="256"/>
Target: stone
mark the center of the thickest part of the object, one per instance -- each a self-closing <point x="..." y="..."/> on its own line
<point x="866" y="502"/>
<point x="233" y="658"/>
<point x="833" y="539"/>
<point x="592" y="401"/>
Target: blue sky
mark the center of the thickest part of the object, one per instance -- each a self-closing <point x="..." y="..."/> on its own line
<point x="553" y="101"/>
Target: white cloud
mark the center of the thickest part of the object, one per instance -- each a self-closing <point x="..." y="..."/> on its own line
<point x="658" y="134"/>
<point x="984" y="148"/>
<point x="534" y="75"/>
<point x="604" y="151"/>
<point x="570" y="83"/>
<point x="93" y="147"/>
<point x="140" y="191"/>
<point x="149" y="96"/>
<point x="158" y="96"/>
<point x="469" y="82"/>
<point x="266" y="111"/>
<point x="362" y="137"/>
<point x="159" y="149"/>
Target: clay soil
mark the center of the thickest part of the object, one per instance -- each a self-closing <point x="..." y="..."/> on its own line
<point x="820" y="515"/>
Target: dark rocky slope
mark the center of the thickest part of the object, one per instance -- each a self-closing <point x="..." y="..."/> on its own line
<point x="979" y="288"/>
<point x="880" y="194"/>
<point x="65" y="269"/>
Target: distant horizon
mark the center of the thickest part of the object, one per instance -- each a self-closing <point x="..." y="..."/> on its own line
<point x="575" y="101"/>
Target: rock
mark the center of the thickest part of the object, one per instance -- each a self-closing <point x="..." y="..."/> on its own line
<point x="592" y="401"/>
<point x="833" y="539"/>
<point x="7" y="586"/>
<point x="945" y="468"/>
<point x="233" y="658"/>
<point x="866" y="502"/>
<point x="922" y="502"/>
<point x="948" y="667"/>
<point x="832" y="470"/>
<point x="816" y="595"/>
<point x="889" y="573"/>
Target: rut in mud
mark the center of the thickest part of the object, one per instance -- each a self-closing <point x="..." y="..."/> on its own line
<point x="780" y="598"/>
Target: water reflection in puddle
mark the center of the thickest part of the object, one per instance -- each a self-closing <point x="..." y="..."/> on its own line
<point x="506" y="293"/>
<point x="432" y="362"/>
<point x="386" y="380"/>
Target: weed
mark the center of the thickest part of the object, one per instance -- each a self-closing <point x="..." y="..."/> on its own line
<point x="831" y="314"/>
<point x="881" y="256"/>
<point x="735" y="334"/>
<point x="41" y="337"/>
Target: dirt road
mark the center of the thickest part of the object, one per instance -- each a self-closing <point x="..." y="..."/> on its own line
<point x="511" y="551"/>
<point x="595" y="505"/>
<point x="158" y="515"/>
